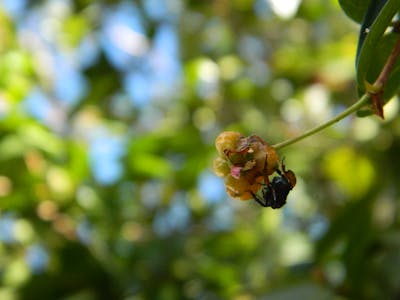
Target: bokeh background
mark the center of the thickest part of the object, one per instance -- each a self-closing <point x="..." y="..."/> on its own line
<point x="108" y="115"/>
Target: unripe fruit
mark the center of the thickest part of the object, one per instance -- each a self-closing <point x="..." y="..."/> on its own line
<point x="227" y="140"/>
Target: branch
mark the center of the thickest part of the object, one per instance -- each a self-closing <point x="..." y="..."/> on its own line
<point x="356" y="106"/>
<point x="377" y="88"/>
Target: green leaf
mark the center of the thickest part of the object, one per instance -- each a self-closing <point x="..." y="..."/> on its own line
<point x="382" y="52"/>
<point x="369" y="17"/>
<point x="375" y="49"/>
<point x="355" y="9"/>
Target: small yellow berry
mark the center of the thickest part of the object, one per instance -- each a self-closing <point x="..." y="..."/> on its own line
<point x="227" y="140"/>
<point x="221" y="167"/>
<point x="242" y="189"/>
<point x="237" y="188"/>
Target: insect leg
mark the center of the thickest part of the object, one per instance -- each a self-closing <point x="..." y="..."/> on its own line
<point x="259" y="200"/>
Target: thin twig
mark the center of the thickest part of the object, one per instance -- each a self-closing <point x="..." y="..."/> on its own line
<point x="384" y="75"/>
<point x="378" y="87"/>
<point x="356" y="106"/>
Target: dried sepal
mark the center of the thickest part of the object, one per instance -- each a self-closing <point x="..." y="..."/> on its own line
<point x="241" y="189"/>
<point x="221" y="167"/>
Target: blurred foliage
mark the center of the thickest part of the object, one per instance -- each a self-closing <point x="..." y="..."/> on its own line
<point x="109" y="111"/>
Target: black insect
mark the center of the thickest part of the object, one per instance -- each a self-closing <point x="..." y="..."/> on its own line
<point x="274" y="194"/>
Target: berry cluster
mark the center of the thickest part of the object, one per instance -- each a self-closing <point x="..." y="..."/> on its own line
<point x="245" y="164"/>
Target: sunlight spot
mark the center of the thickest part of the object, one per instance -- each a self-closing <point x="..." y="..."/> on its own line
<point x="208" y="71"/>
<point x="292" y="110"/>
<point x="208" y="78"/>
<point x="23" y="231"/>
<point x="204" y="118"/>
<point x="391" y="109"/>
<point x="87" y="197"/>
<point x="230" y="66"/>
<point x="8" y="293"/>
<point x="281" y="89"/>
<point x="285" y="9"/>
<point x="5" y="106"/>
<point x="128" y="40"/>
<point x="316" y="100"/>
<point x="365" y="129"/>
<point x="296" y="249"/>
<point x="16" y="273"/>
<point x="59" y="182"/>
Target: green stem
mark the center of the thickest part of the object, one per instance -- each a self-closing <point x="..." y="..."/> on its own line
<point x="356" y="106"/>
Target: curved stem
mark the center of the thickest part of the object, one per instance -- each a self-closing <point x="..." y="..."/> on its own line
<point x="356" y="106"/>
